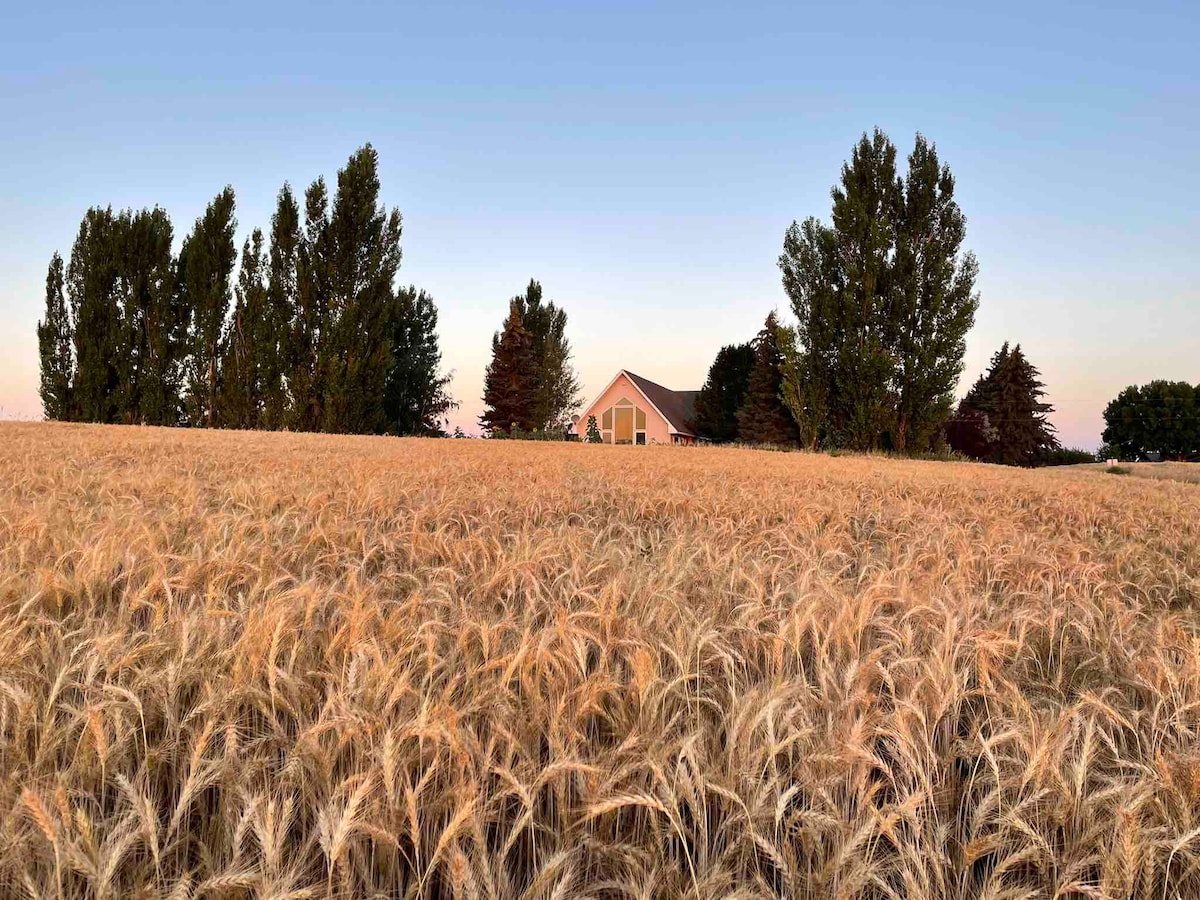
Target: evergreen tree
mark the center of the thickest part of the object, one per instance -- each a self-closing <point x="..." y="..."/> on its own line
<point x="593" y="431"/>
<point x="1009" y="395"/>
<point x="933" y="299"/>
<point x="96" y="314"/>
<point x="722" y="394"/>
<point x="54" y="347"/>
<point x="556" y="386"/>
<point x="148" y="366"/>
<point x="310" y="327"/>
<point x="241" y="390"/>
<point x="763" y="418"/>
<point x="510" y="381"/>
<point x="208" y="257"/>
<point x="415" y="397"/>
<point x="883" y="297"/>
<point x="364" y="256"/>
<point x="272" y="340"/>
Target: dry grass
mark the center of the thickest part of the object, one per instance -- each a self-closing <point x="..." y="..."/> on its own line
<point x="238" y="665"/>
<point x="1169" y="471"/>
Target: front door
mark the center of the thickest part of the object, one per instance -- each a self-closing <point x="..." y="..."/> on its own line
<point x="623" y="430"/>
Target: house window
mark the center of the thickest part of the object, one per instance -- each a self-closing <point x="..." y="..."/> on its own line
<point x="623" y="423"/>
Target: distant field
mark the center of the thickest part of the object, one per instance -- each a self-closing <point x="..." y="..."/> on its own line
<point x="270" y="665"/>
<point x="1170" y="471"/>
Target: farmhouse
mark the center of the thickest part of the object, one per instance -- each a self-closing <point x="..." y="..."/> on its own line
<point x="634" y="410"/>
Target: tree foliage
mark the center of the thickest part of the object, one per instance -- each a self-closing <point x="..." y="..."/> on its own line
<point x="722" y="394"/>
<point x="883" y="297"/>
<point x="510" y="380"/>
<point x="318" y="338"/>
<point x="54" y="347"/>
<point x="1002" y="419"/>
<point x="1160" y="418"/>
<point x="763" y="417"/>
<point x="415" y="396"/>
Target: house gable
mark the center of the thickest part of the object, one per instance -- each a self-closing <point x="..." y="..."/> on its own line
<point x="635" y="410"/>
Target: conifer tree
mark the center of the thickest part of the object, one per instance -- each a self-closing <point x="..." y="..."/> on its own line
<point x="208" y="256"/>
<point x="763" y="418"/>
<point x="96" y="314"/>
<point x="722" y="394"/>
<point x="54" y="347"/>
<point x="1009" y="395"/>
<point x="416" y="398"/>
<point x="272" y="341"/>
<point x="556" y="386"/>
<point x="509" y="391"/>
<point x="593" y="431"/>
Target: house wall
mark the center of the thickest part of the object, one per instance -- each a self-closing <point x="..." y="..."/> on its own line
<point x="657" y="431"/>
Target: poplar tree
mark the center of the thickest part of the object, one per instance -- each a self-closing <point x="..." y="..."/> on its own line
<point x="310" y="324"/>
<point x="54" y="347"/>
<point x="208" y="257"/>
<point x="415" y="397"/>
<point x="509" y="385"/>
<point x="151" y="320"/>
<point x="273" y="345"/>
<point x="763" y="418"/>
<point x="241" y="393"/>
<point x="722" y="394"/>
<point x="883" y="298"/>
<point x="364" y="256"/>
<point x="933" y="298"/>
<point x="92" y="290"/>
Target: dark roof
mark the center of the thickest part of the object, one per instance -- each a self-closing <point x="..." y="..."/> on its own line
<point x="677" y="406"/>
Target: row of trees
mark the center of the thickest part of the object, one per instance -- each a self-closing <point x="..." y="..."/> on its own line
<point x="1156" y="420"/>
<point x="530" y="384"/>
<point x="313" y="335"/>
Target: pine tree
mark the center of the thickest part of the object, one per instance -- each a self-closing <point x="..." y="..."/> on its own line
<point x="209" y="255"/>
<point x="509" y="391"/>
<point x="241" y="390"/>
<point x="722" y="394"/>
<point x="556" y="386"/>
<point x="92" y="290"/>
<point x="272" y="341"/>
<point x="54" y="347"/>
<point x="415" y="396"/>
<point x="763" y="418"/>
<point x="364" y="256"/>
<point x="933" y="298"/>
<point x="1009" y="395"/>
<point x="593" y="431"/>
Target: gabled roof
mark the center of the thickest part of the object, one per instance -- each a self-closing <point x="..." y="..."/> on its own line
<point x="677" y="407"/>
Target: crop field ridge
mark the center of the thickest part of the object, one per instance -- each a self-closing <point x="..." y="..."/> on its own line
<point x="238" y="664"/>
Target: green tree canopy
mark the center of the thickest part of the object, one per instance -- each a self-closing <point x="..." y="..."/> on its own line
<point x="763" y="417"/>
<point x="883" y="297"/>
<point x="416" y="397"/>
<point x="510" y="380"/>
<point x="722" y="394"/>
<point x="1162" y="418"/>
<point x="55" y="336"/>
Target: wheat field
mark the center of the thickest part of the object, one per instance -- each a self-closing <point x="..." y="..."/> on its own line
<point x="269" y="665"/>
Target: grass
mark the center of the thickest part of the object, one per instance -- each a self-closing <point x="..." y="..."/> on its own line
<point x="269" y="665"/>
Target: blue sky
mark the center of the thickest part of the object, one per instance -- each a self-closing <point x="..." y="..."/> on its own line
<point x="641" y="160"/>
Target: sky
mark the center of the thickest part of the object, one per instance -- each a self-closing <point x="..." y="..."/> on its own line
<point x="641" y="160"/>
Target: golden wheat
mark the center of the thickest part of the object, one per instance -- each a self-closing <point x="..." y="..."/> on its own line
<point x="289" y="666"/>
